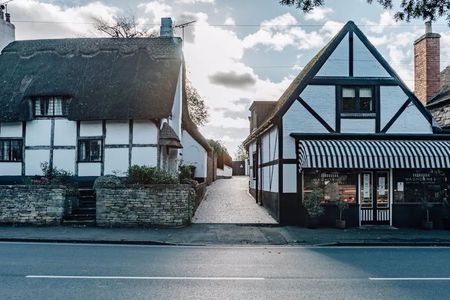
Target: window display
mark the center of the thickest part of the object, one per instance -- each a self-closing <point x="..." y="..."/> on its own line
<point x="336" y="186"/>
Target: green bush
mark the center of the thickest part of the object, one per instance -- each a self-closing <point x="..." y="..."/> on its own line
<point x="108" y="181"/>
<point x="150" y="175"/>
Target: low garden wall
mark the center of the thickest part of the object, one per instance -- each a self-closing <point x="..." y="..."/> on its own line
<point x="151" y="205"/>
<point x="32" y="205"/>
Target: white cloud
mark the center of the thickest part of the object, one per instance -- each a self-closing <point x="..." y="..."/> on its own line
<point x="386" y="20"/>
<point x="319" y="13"/>
<point x="230" y="21"/>
<point x="157" y="9"/>
<point x="195" y="1"/>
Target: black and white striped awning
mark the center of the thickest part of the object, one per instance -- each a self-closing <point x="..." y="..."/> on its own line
<point x="373" y="154"/>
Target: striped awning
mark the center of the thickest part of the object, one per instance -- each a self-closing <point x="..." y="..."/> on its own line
<point x="373" y="154"/>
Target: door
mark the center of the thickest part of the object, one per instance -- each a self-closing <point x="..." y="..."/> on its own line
<point x="374" y="198"/>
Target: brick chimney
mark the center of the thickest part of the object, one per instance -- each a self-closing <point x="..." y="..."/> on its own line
<point x="427" y="78"/>
<point x="166" y="28"/>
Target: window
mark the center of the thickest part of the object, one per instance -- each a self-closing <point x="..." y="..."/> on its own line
<point x="255" y="164"/>
<point x="357" y="100"/>
<point x="411" y="186"/>
<point x="335" y="185"/>
<point x="90" y="150"/>
<point x="11" y="150"/>
<point x="50" y="106"/>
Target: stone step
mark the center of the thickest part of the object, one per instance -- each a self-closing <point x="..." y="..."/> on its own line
<point x="84" y="210"/>
<point x="79" y="223"/>
<point x="80" y="217"/>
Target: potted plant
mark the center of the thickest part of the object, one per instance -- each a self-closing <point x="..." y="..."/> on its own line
<point x="314" y="209"/>
<point x="341" y="205"/>
<point x="426" y="205"/>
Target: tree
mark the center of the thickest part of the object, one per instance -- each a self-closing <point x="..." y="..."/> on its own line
<point x="218" y="146"/>
<point x="196" y="106"/>
<point x="409" y="9"/>
<point x="124" y="26"/>
<point x="241" y="153"/>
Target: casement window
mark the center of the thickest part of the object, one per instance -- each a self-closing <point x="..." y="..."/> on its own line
<point x="11" y="150"/>
<point x="90" y="150"/>
<point x="357" y="100"/>
<point x="50" y="106"/>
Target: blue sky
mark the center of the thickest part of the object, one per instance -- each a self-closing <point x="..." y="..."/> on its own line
<point x="238" y="50"/>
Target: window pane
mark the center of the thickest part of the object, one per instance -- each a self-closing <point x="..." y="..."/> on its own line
<point x="58" y="107"/>
<point x="336" y="186"/>
<point x="411" y="186"/>
<point x="348" y="93"/>
<point x="50" y="107"/>
<point x="16" y="154"/>
<point x="365" y="104"/>
<point x="3" y="152"/>
<point x="348" y="105"/>
<point x="82" y="151"/>
<point x="37" y="107"/>
<point x="95" y="150"/>
<point x="365" y="93"/>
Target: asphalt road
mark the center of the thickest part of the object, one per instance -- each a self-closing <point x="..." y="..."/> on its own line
<point x="65" y="271"/>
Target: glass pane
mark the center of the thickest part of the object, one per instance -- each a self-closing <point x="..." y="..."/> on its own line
<point x="37" y="107"/>
<point x="365" y="93"/>
<point x="95" y="150"/>
<point x="348" y="105"/>
<point x="3" y="152"/>
<point x="16" y="154"/>
<point x="365" y="104"/>
<point x="382" y="190"/>
<point x="58" y="107"/>
<point x="336" y="186"/>
<point x="50" y="107"/>
<point x="348" y="93"/>
<point x="366" y="190"/>
<point x="82" y="151"/>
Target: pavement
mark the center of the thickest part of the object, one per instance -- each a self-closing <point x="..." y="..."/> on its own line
<point x="228" y="234"/>
<point x="228" y="201"/>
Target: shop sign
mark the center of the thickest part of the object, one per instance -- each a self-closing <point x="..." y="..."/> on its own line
<point x="366" y="186"/>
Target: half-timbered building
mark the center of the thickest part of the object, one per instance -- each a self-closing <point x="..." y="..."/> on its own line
<point x="348" y="124"/>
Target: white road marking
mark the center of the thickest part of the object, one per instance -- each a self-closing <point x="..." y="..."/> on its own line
<point x="146" y="278"/>
<point x="410" y="278"/>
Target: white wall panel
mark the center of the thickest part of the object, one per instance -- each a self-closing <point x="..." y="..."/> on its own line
<point x="270" y="179"/>
<point x="91" y="128"/>
<point x="411" y="121"/>
<point x="11" y="129"/>
<point x="358" y="125"/>
<point x="274" y="143"/>
<point x="265" y="148"/>
<point x="117" y="132"/>
<point x="175" y="121"/>
<point x="290" y="178"/>
<point x="145" y="132"/>
<point x="33" y="161"/>
<point x="10" y="168"/>
<point x="391" y="99"/>
<point x="322" y="99"/>
<point x="298" y="119"/>
<point x="338" y="62"/>
<point x="116" y="161"/>
<point x="364" y="63"/>
<point x="194" y="154"/>
<point x="64" y="159"/>
<point x="225" y="172"/>
<point x="65" y="133"/>
<point x="144" y="156"/>
<point x="89" y="169"/>
<point x="38" y="133"/>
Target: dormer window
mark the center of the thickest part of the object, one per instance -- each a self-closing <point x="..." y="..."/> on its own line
<point x="50" y="106"/>
<point x="357" y="100"/>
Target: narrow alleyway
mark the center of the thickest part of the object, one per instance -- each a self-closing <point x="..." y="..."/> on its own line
<point x="228" y="201"/>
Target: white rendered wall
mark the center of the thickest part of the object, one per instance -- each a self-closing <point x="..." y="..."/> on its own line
<point x="64" y="159"/>
<point x="38" y="133"/>
<point x="270" y="178"/>
<point x="391" y="99"/>
<point x="10" y="169"/>
<point x="358" y="125"/>
<point x="194" y="154"/>
<point x="65" y="133"/>
<point x="144" y="156"/>
<point x="116" y="161"/>
<point x="364" y="63"/>
<point x="337" y="64"/>
<point x="89" y="169"/>
<point x="411" y="121"/>
<point x="11" y="129"/>
<point x="251" y="149"/>
<point x="7" y="34"/>
<point x="175" y="121"/>
<point x="298" y="119"/>
<point x="322" y="99"/>
<point x="145" y="132"/>
<point x="91" y="128"/>
<point x="225" y="172"/>
<point x="33" y="161"/>
<point x="117" y="133"/>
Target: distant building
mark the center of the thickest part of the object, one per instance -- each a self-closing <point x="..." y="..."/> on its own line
<point x="7" y="30"/>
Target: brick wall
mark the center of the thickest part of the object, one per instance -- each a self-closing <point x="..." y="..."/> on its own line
<point x="32" y="205"/>
<point x="153" y="205"/>
<point x="427" y="66"/>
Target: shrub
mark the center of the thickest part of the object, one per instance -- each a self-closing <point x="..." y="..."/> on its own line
<point x="312" y="203"/>
<point x="150" y="175"/>
<point x="108" y="181"/>
<point x="53" y="176"/>
<point x="186" y="172"/>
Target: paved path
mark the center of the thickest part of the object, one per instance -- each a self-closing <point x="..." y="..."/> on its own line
<point x="228" y="201"/>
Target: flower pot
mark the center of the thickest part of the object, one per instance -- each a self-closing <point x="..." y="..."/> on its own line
<point x="312" y="223"/>
<point x="427" y="225"/>
<point x="341" y="224"/>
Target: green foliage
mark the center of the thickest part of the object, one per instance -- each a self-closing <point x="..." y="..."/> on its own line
<point x="196" y="106"/>
<point x="409" y="9"/>
<point x="108" y="181"/>
<point x="312" y="202"/>
<point x="218" y="146"/>
<point x="53" y="176"/>
<point x="150" y="175"/>
<point x="241" y="153"/>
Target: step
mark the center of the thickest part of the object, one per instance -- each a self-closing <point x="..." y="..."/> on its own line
<point x="84" y="210"/>
<point x="77" y="223"/>
<point x="80" y="217"/>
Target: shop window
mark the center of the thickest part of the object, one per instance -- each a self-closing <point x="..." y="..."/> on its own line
<point x="50" y="106"/>
<point x="357" y="100"/>
<point x="412" y="186"/>
<point x="90" y="150"/>
<point x="336" y="186"/>
<point x="11" y="150"/>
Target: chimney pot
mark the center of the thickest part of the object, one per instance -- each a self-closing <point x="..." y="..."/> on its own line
<point x="8" y="17"/>
<point x="428" y="27"/>
<point x="166" y="28"/>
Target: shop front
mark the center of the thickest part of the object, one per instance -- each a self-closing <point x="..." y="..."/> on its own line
<point x="384" y="182"/>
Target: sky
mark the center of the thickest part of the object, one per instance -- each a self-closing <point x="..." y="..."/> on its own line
<point x="237" y="51"/>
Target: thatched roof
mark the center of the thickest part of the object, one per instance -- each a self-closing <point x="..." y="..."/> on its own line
<point x="106" y="78"/>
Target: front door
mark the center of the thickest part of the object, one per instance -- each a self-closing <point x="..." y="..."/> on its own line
<point x="374" y="198"/>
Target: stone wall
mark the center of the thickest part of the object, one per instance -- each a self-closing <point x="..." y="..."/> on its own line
<point x="441" y="115"/>
<point x="153" y="205"/>
<point x="32" y="205"/>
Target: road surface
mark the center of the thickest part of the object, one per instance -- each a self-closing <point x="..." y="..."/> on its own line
<point x="71" y="271"/>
